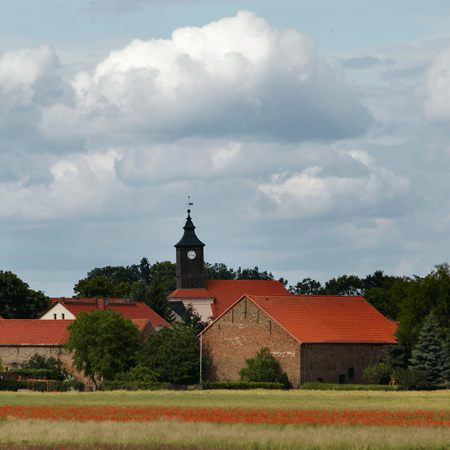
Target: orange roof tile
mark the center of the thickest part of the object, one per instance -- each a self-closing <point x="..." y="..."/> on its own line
<point x="140" y="323"/>
<point x="326" y="318"/>
<point x="227" y="292"/>
<point x="319" y="318"/>
<point x="191" y="293"/>
<point x="33" y="332"/>
<point x="128" y="310"/>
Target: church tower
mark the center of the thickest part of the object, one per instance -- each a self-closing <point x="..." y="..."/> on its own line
<point x="190" y="261"/>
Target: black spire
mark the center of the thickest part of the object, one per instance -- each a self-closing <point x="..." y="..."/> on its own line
<point x="189" y="238"/>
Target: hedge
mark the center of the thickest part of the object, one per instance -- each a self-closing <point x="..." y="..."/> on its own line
<point x="317" y="385"/>
<point x="13" y="385"/>
<point x="133" y="386"/>
<point x="244" y="385"/>
<point x="60" y="386"/>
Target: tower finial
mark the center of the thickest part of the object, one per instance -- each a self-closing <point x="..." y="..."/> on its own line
<point x="189" y="204"/>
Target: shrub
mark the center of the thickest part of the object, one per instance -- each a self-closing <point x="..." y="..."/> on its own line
<point x="377" y="372"/>
<point x="410" y="380"/>
<point x="52" y="365"/>
<point x="13" y="385"/>
<point x="263" y="368"/>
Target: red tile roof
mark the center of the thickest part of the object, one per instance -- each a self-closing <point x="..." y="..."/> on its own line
<point x="33" y="332"/>
<point x="227" y="292"/>
<point x="41" y="332"/>
<point x="327" y="319"/>
<point x="191" y="293"/>
<point x="131" y="310"/>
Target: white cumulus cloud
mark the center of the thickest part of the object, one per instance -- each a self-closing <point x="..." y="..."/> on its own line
<point x="235" y="76"/>
<point x="312" y="192"/>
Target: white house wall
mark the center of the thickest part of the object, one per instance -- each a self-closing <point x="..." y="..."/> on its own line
<point x="58" y="312"/>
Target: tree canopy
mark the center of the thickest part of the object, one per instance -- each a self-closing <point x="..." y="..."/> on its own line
<point x="103" y="343"/>
<point x="171" y="355"/>
<point x="18" y="301"/>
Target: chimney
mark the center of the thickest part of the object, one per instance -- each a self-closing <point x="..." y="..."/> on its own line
<point x="102" y="303"/>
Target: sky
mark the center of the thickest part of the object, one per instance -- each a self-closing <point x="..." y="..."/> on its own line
<point x="313" y="138"/>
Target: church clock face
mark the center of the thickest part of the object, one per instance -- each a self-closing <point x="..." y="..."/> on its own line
<point x="191" y="254"/>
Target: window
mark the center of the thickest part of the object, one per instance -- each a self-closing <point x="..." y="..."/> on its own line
<point x="54" y="316"/>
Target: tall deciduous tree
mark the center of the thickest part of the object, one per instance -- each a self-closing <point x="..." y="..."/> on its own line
<point x="172" y="354"/>
<point x="103" y="343"/>
<point x="427" y="354"/>
<point x="306" y="287"/>
<point x="419" y="297"/>
<point x="18" y="301"/>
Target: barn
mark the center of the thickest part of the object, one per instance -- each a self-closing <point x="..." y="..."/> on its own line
<point x="328" y="338"/>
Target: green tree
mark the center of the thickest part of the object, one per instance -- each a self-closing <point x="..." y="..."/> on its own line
<point x="41" y="362"/>
<point x="306" y="287"/>
<point x="378" y="373"/>
<point x="253" y="274"/>
<point x="165" y="273"/>
<point x="18" y="301"/>
<point x="420" y="297"/>
<point x="94" y="287"/>
<point x="156" y="298"/>
<point x="427" y="354"/>
<point x="219" y="271"/>
<point x="343" y="285"/>
<point x="446" y="359"/>
<point x="103" y="343"/>
<point x="263" y="367"/>
<point x="172" y="354"/>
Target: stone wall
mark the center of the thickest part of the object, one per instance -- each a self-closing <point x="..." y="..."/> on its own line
<point x="239" y="334"/>
<point x="14" y="356"/>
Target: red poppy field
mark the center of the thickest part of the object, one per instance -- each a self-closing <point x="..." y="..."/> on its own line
<point x="210" y="420"/>
<point x="228" y="415"/>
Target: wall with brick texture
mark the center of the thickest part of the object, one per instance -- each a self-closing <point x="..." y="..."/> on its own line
<point x="239" y="334"/>
<point x="329" y="361"/>
<point x="244" y="329"/>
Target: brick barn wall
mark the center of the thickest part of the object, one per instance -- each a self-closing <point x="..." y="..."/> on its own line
<point x="328" y="361"/>
<point x="239" y="334"/>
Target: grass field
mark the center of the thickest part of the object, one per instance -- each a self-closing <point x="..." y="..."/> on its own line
<point x="231" y="436"/>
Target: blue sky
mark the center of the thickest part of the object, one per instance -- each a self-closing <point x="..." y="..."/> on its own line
<point x="312" y="137"/>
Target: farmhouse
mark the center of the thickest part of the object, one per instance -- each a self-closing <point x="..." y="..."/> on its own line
<point x="20" y="339"/>
<point x="68" y="308"/>
<point x="332" y="338"/>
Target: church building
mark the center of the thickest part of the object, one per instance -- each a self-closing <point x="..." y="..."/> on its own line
<point x="312" y="337"/>
<point x="209" y="298"/>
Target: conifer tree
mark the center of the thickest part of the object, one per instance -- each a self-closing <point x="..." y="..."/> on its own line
<point x="157" y="300"/>
<point x="446" y="359"/>
<point x="427" y="355"/>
